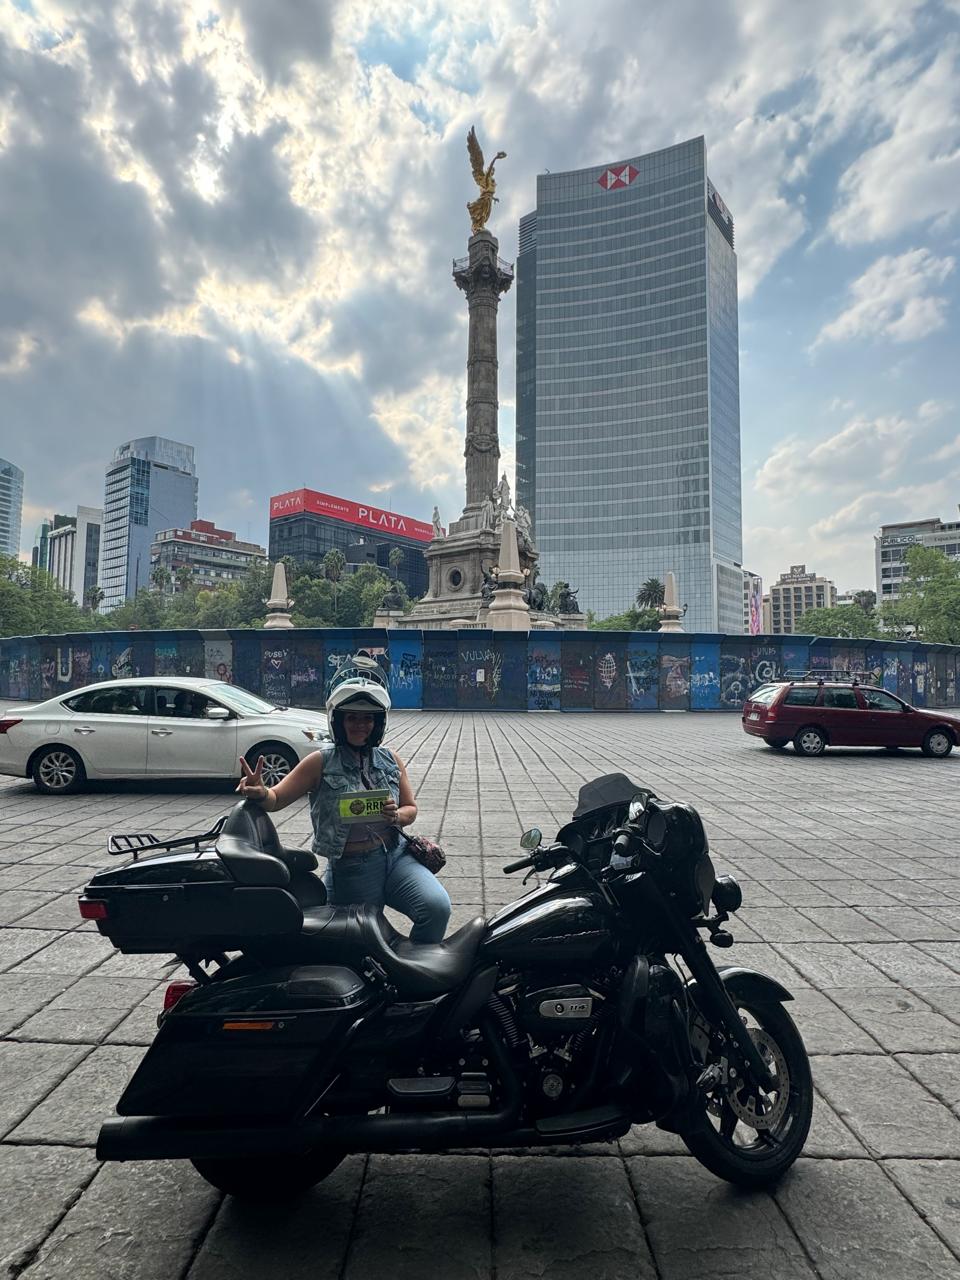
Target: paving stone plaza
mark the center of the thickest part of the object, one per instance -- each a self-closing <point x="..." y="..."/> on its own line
<point x="851" y="885"/>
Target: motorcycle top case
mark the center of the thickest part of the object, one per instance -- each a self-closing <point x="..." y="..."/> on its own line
<point x="185" y="902"/>
<point x="260" y="1045"/>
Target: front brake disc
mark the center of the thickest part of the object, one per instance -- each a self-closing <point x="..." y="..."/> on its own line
<point x="766" y="1110"/>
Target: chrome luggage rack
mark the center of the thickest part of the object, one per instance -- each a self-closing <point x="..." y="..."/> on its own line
<point x="137" y="842"/>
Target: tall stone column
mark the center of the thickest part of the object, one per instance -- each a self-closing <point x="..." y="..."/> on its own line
<point x="482" y="277"/>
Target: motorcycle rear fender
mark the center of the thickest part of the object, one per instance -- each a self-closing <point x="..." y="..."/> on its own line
<point x="747" y="983"/>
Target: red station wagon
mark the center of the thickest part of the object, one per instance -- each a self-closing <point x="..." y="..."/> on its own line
<point x="816" y="714"/>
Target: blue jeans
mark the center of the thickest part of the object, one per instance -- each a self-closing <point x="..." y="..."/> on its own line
<point x="392" y="878"/>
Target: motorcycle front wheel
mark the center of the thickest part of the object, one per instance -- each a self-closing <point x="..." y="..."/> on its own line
<point x="748" y="1140"/>
<point x="269" y="1178"/>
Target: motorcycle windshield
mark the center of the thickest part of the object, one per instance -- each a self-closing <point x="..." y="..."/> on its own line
<point x="611" y="789"/>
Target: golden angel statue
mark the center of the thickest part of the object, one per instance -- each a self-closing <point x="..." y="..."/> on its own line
<point x="480" y="208"/>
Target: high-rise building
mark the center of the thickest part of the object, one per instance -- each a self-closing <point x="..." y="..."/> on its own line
<point x="794" y="594"/>
<point x="38" y="552"/>
<point x="894" y="541"/>
<point x="40" y="555"/>
<point x="11" y="507"/>
<point x="752" y="603"/>
<point x="73" y="552"/>
<point x="151" y="484"/>
<point x="305" y="525"/>
<point x="628" y="405"/>
<point x="210" y="556"/>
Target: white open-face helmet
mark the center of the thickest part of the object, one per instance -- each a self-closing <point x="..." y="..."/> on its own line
<point x="359" y="685"/>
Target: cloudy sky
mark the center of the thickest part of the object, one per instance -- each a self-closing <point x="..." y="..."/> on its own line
<point x="231" y="222"/>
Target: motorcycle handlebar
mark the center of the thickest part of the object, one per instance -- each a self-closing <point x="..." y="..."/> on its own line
<point x="519" y="866"/>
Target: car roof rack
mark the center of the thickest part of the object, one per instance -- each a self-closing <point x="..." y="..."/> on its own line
<point x="840" y="675"/>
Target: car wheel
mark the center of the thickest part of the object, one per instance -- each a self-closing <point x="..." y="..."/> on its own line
<point x="58" y="771"/>
<point x="777" y="743"/>
<point x="938" y="742"/>
<point x="278" y="760"/>
<point x="809" y="742"/>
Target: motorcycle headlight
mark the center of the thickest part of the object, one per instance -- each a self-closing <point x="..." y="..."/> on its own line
<point x="727" y="894"/>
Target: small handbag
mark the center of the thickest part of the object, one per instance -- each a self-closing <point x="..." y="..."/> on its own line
<point x="427" y="853"/>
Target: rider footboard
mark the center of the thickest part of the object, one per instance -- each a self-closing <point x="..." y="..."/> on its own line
<point x="258" y="1046"/>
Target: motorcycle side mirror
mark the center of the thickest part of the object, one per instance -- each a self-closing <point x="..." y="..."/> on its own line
<point x="531" y="839"/>
<point x="635" y="812"/>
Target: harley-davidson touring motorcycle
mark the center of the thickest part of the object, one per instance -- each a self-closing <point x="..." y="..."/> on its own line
<point x="307" y="1031"/>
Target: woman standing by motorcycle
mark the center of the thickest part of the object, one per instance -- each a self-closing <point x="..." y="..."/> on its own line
<point x="368" y="861"/>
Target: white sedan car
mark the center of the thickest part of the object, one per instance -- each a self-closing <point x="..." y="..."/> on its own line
<point x="157" y="727"/>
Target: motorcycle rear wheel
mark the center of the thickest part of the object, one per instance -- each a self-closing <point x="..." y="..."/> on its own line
<point x="269" y="1178"/>
<point x="728" y="1145"/>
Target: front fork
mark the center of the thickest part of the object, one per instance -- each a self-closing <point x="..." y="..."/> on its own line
<point x="712" y="995"/>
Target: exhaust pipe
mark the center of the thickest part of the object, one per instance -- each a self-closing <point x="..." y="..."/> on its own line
<point x="160" y="1138"/>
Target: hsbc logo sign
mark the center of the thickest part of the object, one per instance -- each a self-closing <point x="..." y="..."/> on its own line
<point x="619" y="176"/>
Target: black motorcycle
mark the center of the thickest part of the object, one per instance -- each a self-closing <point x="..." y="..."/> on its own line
<point x="589" y="1005"/>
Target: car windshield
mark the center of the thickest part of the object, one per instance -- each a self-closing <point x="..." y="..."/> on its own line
<point x="241" y="700"/>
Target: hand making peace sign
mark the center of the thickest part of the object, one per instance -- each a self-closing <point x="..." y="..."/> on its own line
<point x="251" y="785"/>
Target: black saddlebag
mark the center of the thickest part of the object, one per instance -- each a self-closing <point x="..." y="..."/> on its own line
<point x="260" y="1046"/>
<point x="194" y="903"/>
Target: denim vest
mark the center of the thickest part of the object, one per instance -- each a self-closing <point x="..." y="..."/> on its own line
<point x="341" y="772"/>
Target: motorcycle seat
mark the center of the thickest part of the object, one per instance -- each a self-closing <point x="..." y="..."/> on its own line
<point x="419" y="971"/>
<point x="252" y="866"/>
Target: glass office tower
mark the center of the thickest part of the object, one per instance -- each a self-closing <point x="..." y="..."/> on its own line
<point x="628" y="405"/>
<point x="151" y="484"/>
<point x="11" y="507"/>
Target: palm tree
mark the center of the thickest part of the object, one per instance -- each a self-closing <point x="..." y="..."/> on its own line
<point x="395" y="559"/>
<point x="160" y="577"/>
<point x="334" y="563"/>
<point x="650" y="595"/>
<point x="183" y="578"/>
<point x="95" y="598"/>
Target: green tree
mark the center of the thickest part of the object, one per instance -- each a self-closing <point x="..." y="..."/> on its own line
<point x="897" y="621"/>
<point x="845" y="621"/>
<point x="629" y="620"/>
<point x="314" y="605"/>
<point x="395" y="559"/>
<point x="865" y="600"/>
<point x="161" y="577"/>
<point x="31" y="602"/>
<point x="145" y="612"/>
<point x="334" y="563"/>
<point x="930" y="596"/>
<point x="651" y="594"/>
<point x="183" y="579"/>
<point x="94" y="598"/>
<point x="360" y="596"/>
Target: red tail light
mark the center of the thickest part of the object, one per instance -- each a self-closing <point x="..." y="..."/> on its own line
<point x="90" y="909"/>
<point x="176" y="991"/>
<point x="9" y="724"/>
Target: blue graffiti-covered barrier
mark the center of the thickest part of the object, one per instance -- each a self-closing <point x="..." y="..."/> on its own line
<point x="485" y="670"/>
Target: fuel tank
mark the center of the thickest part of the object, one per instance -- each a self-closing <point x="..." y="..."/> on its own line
<point x="563" y="922"/>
